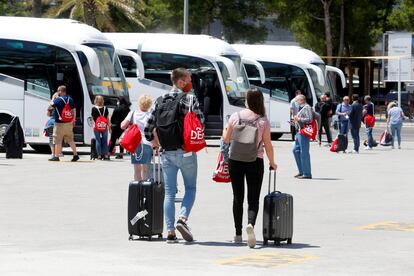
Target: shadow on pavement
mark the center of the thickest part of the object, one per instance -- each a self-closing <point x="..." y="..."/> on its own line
<point x="258" y="246"/>
<point x="288" y="246"/>
<point x="327" y="178"/>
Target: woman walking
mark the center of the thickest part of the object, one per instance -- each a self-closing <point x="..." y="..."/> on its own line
<point x="119" y="114"/>
<point x="301" y="147"/>
<point x="143" y="154"/>
<point x="395" y="122"/>
<point x="254" y="115"/>
<point x="100" y="117"/>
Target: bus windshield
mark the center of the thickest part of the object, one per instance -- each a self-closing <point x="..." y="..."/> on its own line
<point x="236" y="90"/>
<point x="111" y="81"/>
<point x="327" y="87"/>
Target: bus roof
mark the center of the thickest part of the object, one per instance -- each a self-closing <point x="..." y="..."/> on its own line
<point x="58" y="32"/>
<point x="279" y="53"/>
<point x="191" y="45"/>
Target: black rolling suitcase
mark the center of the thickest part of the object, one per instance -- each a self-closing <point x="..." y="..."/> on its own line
<point x="277" y="215"/>
<point x="94" y="153"/>
<point x="342" y="143"/>
<point x="146" y="207"/>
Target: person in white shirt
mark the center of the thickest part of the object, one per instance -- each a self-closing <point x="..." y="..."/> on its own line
<point x="395" y="122"/>
<point x="143" y="155"/>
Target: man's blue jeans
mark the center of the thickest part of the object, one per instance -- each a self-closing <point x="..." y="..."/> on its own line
<point x="355" y="137"/>
<point x="172" y="161"/>
<point x="369" y="136"/>
<point x="343" y="127"/>
<point x="302" y="156"/>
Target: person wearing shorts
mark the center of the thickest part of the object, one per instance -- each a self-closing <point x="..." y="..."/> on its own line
<point x="63" y="131"/>
<point x="143" y="154"/>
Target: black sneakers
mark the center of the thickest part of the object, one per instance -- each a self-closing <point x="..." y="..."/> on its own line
<point x="172" y="238"/>
<point x="184" y="230"/>
<point x="54" y="158"/>
<point x="75" y="158"/>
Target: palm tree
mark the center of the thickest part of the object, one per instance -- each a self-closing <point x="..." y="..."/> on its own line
<point x="97" y="13"/>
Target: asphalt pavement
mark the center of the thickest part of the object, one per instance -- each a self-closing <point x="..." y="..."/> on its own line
<point x="354" y="218"/>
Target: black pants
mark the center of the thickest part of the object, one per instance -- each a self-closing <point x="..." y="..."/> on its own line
<point x="253" y="172"/>
<point x="115" y="134"/>
<point x="326" y="126"/>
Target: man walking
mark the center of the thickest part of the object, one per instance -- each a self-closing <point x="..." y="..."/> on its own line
<point x="325" y="110"/>
<point x="343" y="110"/>
<point x="369" y="110"/>
<point x="167" y="120"/>
<point x="355" y="118"/>
<point x="65" y="116"/>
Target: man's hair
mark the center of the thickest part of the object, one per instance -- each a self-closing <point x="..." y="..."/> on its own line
<point x="346" y="98"/>
<point x="301" y="97"/>
<point x="145" y="102"/>
<point x="178" y="74"/>
<point x="367" y="98"/>
<point x="355" y="97"/>
<point x="327" y="94"/>
<point x="298" y="92"/>
<point x="62" y="88"/>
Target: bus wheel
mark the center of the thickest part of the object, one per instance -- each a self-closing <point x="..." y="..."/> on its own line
<point x="4" y="123"/>
<point x="275" y="136"/>
<point x="40" y="148"/>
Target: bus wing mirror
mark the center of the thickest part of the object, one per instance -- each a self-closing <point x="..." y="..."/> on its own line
<point x="259" y="67"/>
<point x="339" y="72"/>
<point x="92" y="58"/>
<point x="318" y="71"/>
<point x="136" y="58"/>
<point x="231" y="68"/>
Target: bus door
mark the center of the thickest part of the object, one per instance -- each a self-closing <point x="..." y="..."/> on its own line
<point x="38" y="88"/>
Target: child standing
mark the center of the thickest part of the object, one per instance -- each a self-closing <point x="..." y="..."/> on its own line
<point x="143" y="154"/>
<point x="100" y="117"/>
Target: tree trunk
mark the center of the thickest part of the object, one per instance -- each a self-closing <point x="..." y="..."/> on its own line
<point x="328" y="34"/>
<point x="37" y="8"/>
<point x="90" y="12"/>
<point x="350" y="72"/>
<point x="341" y="34"/>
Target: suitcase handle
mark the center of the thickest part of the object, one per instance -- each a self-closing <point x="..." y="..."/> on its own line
<point x="154" y="151"/>
<point x="270" y="179"/>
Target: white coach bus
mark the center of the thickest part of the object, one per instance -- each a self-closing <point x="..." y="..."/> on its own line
<point x="38" y="55"/>
<point x="287" y="69"/>
<point x="219" y="77"/>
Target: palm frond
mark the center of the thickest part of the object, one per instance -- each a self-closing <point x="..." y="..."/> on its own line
<point x="65" y="6"/>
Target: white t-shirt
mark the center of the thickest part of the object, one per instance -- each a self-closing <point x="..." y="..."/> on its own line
<point x="140" y="119"/>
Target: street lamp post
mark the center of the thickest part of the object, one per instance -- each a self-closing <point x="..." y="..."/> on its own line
<point x="185" y="29"/>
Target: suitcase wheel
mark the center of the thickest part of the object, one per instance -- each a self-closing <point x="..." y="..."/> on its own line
<point x="131" y="238"/>
<point x="265" y="242"/>
<point x="289" y="241"/>
<point x="277" y="242"/>
<point x="160" y="236"/>
<point x="150" y="238"/>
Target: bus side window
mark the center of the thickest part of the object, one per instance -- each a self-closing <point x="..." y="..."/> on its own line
<point x="129" y="66"/>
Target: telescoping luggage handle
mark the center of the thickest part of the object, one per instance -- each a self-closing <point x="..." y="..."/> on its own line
<point x="154" y="151"/>
<point x="270" y="179"/>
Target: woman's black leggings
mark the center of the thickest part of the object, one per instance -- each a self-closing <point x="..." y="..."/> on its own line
<point x="115" y="134"/>
<point x="253" y="172"/>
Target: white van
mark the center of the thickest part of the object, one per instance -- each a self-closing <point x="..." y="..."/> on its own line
<point x="219" y="77"/>
<point x="287" y="69"/>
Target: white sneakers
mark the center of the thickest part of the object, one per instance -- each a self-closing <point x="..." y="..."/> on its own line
<point x="354" y="152"/>
<point x="367" y="148"/>
<point x="251" y="237"/>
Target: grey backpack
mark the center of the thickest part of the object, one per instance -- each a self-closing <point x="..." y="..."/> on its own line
<point x="243" y="146"/>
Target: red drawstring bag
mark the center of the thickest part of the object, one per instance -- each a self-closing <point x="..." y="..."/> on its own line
<point x="67" y="113"/>
<point x="369" y="120"/>
<point x="193" y="131"/>
<point x="132" y="137"/>
<point x="334" y="145"/>
<point x="310" y="130"/>
<point x="221" y="173"/>
<point x="101" y="123"/>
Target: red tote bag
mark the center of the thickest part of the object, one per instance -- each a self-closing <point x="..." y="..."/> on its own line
<point x="193" y="132"/>
<point x="221" y="173"/>
<point x="310" y="130"/>
<point x="132" y="137"/>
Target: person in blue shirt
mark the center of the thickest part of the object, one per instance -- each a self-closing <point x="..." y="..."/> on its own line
<point x="63" y="130"/>
<point x="343" y="110"/>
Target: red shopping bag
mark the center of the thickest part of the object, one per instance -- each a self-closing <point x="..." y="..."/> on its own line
<point x="334" y="145"/>
<point x="132" y="138"/>
<point x="369" y="120"/>
<point x="221" y="173"/>
<point x="193" y="132"/>
<point x="310" y="130"/>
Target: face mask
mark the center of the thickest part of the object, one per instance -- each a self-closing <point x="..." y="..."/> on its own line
<point x="187" y="88"/>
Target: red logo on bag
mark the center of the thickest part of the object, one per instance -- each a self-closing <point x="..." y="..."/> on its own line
<point x="67" y="113"/>
<point x="221" y="173"/>
<point x="197" y="135"/>
<point x="101" y="123"/>
<point x="310" y="130"/>
<point x="193" y="133"/>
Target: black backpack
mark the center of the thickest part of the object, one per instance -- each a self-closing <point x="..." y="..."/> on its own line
<point x="169" y="123"/>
